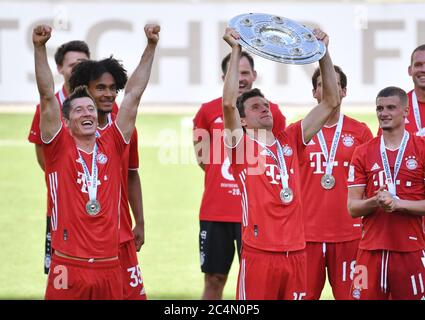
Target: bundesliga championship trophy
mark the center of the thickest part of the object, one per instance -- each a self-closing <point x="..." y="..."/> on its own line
<point x="277" y="38"/>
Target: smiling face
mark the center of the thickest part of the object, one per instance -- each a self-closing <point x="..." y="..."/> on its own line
<point x="417" y="69"/>
<point x="82" y="120"/>
<point x="391" y="112"/>
<point x="104" y="91"/>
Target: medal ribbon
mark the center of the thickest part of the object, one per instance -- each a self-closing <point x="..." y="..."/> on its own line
<point x="90" y="179"/>
<point x="329" y="158"/>
<point x="416" y="112"/>
<point x="391" y="182"/>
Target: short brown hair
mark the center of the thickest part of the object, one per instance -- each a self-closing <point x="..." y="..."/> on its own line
<point x="225" y="61"/>
<point x="342" y="77"/>
<point x="420" y="48"/>
<point x="75" y="45"/>
<point x="394" y="91"/>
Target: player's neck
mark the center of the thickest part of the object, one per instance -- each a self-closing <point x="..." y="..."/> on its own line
<point x="85" y="143"/>
<point x="262" y="135"/>
<point x="420" y="93"/>
<point x="392" y="138"/>
<point x="102" y="119"/>
<point x="333" y="118"/>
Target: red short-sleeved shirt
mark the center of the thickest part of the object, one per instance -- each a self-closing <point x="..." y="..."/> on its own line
<point x="326" y="216"/>
<point x="268" y="224"/>
<point x="76" y="233"/>
<point x="221" y="197"/>
<point x="394" y="231"/>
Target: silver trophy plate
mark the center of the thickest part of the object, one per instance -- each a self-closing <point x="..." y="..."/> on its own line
<point x="277" y="38"/>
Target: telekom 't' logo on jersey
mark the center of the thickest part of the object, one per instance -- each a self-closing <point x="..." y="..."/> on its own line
<point x="83" y="182"/>
<point x="317" y="162"/>
<point x="272" y="171"/>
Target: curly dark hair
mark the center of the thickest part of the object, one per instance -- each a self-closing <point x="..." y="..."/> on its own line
<point x="90" y="70"/>
<point x="75" y="45"/>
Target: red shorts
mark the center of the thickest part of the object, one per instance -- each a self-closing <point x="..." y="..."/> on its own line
<point x="82" y="280"/>
<point x="383" y="275"/>
<point x="132" y="280"/>
<point x="339" y="259"/>
<point x="265" y="275"/>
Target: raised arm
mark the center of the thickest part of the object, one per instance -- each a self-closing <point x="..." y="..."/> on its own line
<point x="137" y="83"/>
<point x="317" y="117"/>
<point x="232" y="120"/>
<point x="50" y="117"/>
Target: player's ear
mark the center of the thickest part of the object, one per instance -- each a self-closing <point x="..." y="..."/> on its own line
<point x="406" y="111"/>
<point x="409" y="70"/>
<point x="243" y="122"/>
<point x="343" y="93"/>
<point x="59" y="68"/>
<point x="66" y="122"/>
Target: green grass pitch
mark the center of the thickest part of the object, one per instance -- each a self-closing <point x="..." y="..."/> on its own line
<point x="172" y="190"/>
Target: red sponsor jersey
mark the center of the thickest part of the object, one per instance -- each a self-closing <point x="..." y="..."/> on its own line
<point x="76" y="233"/>
<point x="61" y="95"/>
<point x="221" y="198"/>
<point x="394" y="231"/>
<point x="130" y="161"/>
<point x="410" y="122"/>
<point x="268" y="224"/>
<point x="326" y="217"/>
<point x="34" y="135"/>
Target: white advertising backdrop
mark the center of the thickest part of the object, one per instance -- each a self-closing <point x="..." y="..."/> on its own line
<point x="371" y="42"/>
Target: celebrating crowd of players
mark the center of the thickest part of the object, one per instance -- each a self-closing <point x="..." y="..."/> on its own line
<point x="320" y="195"/>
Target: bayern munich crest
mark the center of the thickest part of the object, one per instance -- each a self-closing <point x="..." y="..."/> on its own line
<point x="287" y="151"/>
<point x="102" y="158"/>
<point x="348" y="140"/>
<point x="411" y="163"/>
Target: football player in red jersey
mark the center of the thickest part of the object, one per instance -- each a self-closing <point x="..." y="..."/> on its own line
<point x="332" y="235"/>
<point x="84" y="178"/>
<point x="265" y="166"/>
<point x="104" y="79"/>
<point x="67" y="56"/>
<point x="386" y="188"/>
<point x="220" y="213"/>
